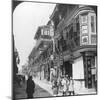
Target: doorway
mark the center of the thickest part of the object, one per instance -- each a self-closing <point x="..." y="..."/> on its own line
<point x="68" y="68"/>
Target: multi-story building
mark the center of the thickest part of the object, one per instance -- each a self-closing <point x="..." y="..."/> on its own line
<point x="16" y="59"/>
<point x="76" y="40"/>
<point x="42" y="52"/>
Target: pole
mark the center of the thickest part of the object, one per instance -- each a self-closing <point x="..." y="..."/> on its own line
<point x="40" y="72"/>
<point x="53" y="39"/>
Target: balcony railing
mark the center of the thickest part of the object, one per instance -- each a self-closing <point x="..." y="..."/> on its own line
<point x="70" y="44"/>
<point x="62" y="24"/>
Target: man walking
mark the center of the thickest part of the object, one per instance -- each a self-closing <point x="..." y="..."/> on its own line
<point x="30" y="87"/>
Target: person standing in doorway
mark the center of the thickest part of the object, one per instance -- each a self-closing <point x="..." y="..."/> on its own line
<point x="30" y="87"/>
<point x="64" y="84"/>
<point x="71" y="87"/>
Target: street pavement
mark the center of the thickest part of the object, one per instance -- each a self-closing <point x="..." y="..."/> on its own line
<point x="20" y="92"/>
<point x="44" y="84"/>
<point x="42" y="89"/>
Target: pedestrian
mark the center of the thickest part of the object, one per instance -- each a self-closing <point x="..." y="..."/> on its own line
<point x="55" y="87"/>
<point x="30" y="87"/>
<point x="67" y="84"/>
<point x="64" y="86"/>
<point x="52" y="79"/>
<point x="59" y="83"/>
<point x="23" y="79"/>
<point x="71" y="88"/>
<point x="19" y="80"/>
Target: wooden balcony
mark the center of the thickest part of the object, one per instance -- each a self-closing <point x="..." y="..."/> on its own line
<point x="73" y="47"/>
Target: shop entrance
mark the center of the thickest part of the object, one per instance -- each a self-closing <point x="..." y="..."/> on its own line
<point x="68" y="68"/>
<point x="90" y="72"/>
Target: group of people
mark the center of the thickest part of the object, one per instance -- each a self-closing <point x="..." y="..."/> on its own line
<point x="62" y="85"/>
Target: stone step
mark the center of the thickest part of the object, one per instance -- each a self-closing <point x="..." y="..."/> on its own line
<point x="87" y="91"/>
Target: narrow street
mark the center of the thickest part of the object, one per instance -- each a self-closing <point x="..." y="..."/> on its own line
<point x="21" y="94"/>
<point x="60" y="55"/>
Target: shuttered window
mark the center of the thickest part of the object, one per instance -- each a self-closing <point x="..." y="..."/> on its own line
<point x="92" y="24"/>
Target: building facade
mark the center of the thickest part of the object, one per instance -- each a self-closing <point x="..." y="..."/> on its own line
<point x="41" y="61"/>
<point x="76" y="40"/>
<point x="67" y="45"/>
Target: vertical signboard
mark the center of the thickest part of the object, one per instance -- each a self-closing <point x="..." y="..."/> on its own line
<point x="84" y="29"/>
<point x="89" y="73"/>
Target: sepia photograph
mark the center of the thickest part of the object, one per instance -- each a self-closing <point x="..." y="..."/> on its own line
<point x="54" y="48"/>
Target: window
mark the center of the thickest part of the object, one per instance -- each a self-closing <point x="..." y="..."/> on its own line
<point x="45" y="32"/>
<point x="41" y="31"/>
<point x="51" y="31"/>
<point x="92" y="24"/>
<point x="74" y="26"/>
<point x="92" y="62"/>
<point x="48" y="32"/>
<point x="64" y="34"/>
<point x="84" y="19"/>
<point x="93" y="39"/>
<point x="84" y="39"/>
<point x="84" y="29"/>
